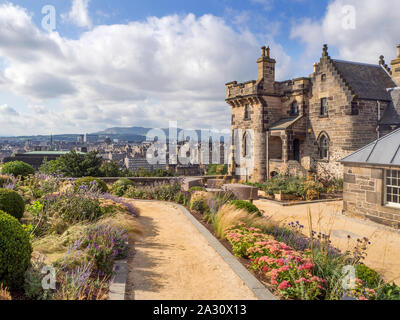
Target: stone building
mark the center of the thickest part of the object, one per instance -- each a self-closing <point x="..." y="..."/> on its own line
<point x="372" y="180"/>
<point x="308" y="124"/>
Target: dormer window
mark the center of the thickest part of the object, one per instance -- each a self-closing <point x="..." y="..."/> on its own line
<point x="324" y="107"/>
<point x="294" y="109"/>
<point x="247" y="112"/>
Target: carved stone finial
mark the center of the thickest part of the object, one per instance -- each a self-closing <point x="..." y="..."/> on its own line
<point x="325" y="50"/>
<point x="382" y="60"/>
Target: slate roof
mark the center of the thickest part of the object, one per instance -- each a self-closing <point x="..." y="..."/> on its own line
<point x="368" y="81"/>
<point x="284" y="123"/>
<point x="384" y="151"/>
<point x="391" y="115"/>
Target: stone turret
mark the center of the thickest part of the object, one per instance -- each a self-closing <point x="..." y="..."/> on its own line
<point x="396" y="67"/>
<point x="266" y="71"/>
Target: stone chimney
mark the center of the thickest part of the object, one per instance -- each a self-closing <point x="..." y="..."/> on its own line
<point x="266" y="70"/>
<point x="396" y="67"/>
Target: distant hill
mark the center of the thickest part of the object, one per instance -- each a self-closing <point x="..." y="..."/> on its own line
<point x="137" y="131"/>
<point x="133" y="134"/>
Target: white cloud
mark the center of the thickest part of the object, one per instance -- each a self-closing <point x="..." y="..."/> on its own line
<point x="376" y="32"/>
<point x="140" y="73"/>
<point x="5" y="109"/>
<point x="79" y="14"/>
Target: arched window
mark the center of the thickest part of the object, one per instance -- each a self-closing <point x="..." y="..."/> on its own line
<point x="246" y="145"/>
<point x="323" y="147"/>
<point x="294" y="109"/>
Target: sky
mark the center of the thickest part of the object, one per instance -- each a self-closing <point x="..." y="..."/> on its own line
<point x="102" y="63"/>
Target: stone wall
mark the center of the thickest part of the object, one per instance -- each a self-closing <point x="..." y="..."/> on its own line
<point x="256" y="170"/>
<point x="349" y="124"/>
<point x="363" y="195"/>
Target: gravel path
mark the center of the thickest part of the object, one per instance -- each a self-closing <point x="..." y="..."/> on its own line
<point x="173" y="261"/>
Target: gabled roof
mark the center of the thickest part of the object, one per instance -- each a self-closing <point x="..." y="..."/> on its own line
<point x="285" y="123"/>
<point x="368" y="81"/>
<point x="384" y="151"/>
<point x="391" y="115"/>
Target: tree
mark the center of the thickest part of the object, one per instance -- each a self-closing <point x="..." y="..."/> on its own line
<point x="111" y="169"/>
<point x="91" y="164"/>
<point x="74" y="165"/>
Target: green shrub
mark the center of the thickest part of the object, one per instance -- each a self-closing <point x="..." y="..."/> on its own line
<point x="12" y="203"/>
<point x="389" y="292"/>
<point x="335" y="186"/>
<point x="71" y="208"/>
<point x="370" y="277"/>
<point x="18" y="168"/>
<point x="121" y="186"/>
<point x="193" y="189"/>
<point x="249" y="207"/>
<point x="181" y="198"/>
<point x="92" y="182"/>
<point x="217" y="169"/>
<point x="15" y="253"/>
<point x="199" y="205"/>
<point x="300" y="187"/>
<point x="162" y="192"/>
<point x="155" y="173"/>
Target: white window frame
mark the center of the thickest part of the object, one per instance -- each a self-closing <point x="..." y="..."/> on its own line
<point x="386" y="186"/>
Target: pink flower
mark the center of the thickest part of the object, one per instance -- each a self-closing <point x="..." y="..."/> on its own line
<point x="284" y="268"/>
<point x="284" y="285"/>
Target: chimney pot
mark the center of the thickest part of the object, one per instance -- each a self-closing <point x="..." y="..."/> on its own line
<point x="398" y="51"/>
<point x="315" y="67"/>
<point x="263" y="51"/>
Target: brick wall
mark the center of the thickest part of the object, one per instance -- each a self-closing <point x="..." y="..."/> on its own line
<point x="364" y="195"/>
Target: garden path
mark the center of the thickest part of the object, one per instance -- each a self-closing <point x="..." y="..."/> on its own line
<point x="383" y="255"/>
<point x="173" y="261"/>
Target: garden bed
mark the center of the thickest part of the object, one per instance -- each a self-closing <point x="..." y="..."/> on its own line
<point x="74" y="230"/>
<point x="285" y="203"/>
<point x="287" y="189"/>
<point x="245" y="262"/>
<point x="318" y="266"/>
